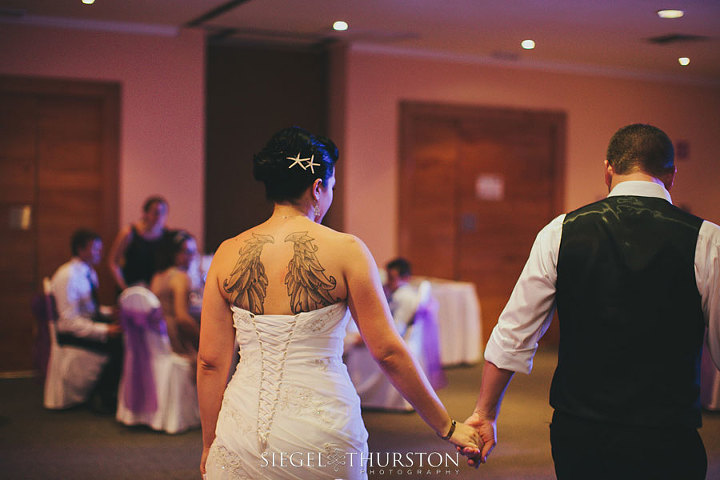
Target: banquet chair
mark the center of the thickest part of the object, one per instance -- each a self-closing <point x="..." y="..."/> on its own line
<point x="709" y="382"/>
<point x="421" y="337"/>
<point x="43" y="309"/>
<point x="157" y="387"/>
<point x="72" y="372"/>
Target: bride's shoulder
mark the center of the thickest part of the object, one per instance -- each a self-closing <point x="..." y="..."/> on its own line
<point x="339" y="239"/>
<point x="232" y="245"/>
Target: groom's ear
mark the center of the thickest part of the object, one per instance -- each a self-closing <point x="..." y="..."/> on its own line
<point x="609" y="172"/>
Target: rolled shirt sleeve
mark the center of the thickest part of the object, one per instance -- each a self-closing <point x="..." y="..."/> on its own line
<point x="529" y="311"/>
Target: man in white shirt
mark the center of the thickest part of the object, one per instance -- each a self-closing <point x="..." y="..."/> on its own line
<point x="79" y="323"/>
<point x="636" y="282"/>
<point x="402" y="297"/>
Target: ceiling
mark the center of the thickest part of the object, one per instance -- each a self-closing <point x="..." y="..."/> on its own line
<point x="594" y="36"/>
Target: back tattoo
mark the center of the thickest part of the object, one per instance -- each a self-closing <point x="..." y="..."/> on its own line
<point x="307" y="285"/>
<point x="248" y="281"/>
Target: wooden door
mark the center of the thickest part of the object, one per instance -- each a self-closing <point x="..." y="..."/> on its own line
<point x="477" y="184"/>
<point x="58" y="172"/>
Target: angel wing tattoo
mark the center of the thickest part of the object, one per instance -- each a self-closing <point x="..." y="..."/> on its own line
<point x="248" y="282"/>
<point x="307" y="285"/>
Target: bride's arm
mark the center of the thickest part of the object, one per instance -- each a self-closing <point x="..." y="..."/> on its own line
<point x="368" y="306"/>
<point x="214" y="355"/>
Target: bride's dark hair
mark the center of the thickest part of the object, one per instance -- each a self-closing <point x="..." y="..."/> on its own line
<point x="284" y="164"/>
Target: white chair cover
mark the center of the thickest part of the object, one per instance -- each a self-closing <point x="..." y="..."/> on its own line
<point x="709" y="382"/>
<point x="371" y="383"/>
<point x="157" y="387"/>
<point x="72" y="371"/>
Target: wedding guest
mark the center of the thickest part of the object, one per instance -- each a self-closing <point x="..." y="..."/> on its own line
<point x="402" y="297"/>
<point x="636" y="282"/>
<point x="173" y="287"/>
<point x="282" y="289"/>
<point x="414" y="314"/>
<point x="134" y="253"/>
<point x="80" y="323"/>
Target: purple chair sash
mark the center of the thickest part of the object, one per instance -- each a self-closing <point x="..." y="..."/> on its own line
<point x="426" y="320"/>
<point x="139" y="391"/>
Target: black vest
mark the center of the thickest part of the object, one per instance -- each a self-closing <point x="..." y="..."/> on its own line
<point x="630" y="315"/>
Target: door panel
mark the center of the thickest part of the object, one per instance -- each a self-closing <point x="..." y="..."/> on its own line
<point x="58" y="172"/>
<point x="429" y="198"/>
<point x="495" y="177"/>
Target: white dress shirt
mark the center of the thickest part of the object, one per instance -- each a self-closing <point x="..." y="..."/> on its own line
<point x="527" y="315"/>
<point x="403" y="303"/>
<point x="75" y="305"/>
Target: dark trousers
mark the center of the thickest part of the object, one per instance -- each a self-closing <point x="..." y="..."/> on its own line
<point x="106" y="388"/>
<point x="587" y="450"/>
<point x="104" y="394"/>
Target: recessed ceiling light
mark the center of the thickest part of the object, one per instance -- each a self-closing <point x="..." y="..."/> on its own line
<point x="684" y="61"/>
<point x="88" y="2"/>
<point x="528" y="44"/>
<point x="340" y="26"/>
<point x="670" y="13"/>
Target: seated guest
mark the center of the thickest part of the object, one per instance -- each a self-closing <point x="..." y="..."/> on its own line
<point x="414" y="317"/>
<point x="134" y="254"/>
<point x="402" y="297"/>
<point x="173" y="287"/>
<point x="80" y="324"/>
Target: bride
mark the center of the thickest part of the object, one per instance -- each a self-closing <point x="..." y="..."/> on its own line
<point x="282" y="291"/>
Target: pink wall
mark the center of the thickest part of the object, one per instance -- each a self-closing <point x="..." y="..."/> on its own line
<point x="596" y="106"/>
<point x="162" y="126"/>
<point x="162" y="105"/>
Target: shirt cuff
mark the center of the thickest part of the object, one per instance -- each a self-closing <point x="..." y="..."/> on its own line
<point x="517" y="361"/>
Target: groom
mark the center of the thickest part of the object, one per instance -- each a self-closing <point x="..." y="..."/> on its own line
<point x="636" y="282"/>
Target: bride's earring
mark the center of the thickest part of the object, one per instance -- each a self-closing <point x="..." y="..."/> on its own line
<point x="316" y="211"/>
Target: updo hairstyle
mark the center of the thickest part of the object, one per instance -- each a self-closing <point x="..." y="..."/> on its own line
<point x="284" y="179"/>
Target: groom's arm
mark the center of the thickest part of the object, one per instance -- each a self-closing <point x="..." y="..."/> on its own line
<point x="514" y="340"/>
<point x="484" y="418"/>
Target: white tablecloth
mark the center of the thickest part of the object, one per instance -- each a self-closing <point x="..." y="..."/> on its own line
<point x="459" y="319"/>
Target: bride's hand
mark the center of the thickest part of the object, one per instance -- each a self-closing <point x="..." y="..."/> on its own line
<point x="203" y="460"/>
<point x="465" y="437"/>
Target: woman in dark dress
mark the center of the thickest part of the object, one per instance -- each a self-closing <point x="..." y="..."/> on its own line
<point x="134" y="253"/>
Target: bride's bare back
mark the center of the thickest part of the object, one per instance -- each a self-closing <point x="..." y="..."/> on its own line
<point x="284" y="266"/>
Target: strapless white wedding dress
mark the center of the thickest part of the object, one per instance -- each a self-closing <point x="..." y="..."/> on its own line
<point x="290" y="410"/>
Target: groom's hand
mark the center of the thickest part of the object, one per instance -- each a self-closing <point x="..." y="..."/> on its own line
<point x="487" y="430"/>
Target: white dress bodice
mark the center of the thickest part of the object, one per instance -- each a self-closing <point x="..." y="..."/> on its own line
<point x="290" y="393"/>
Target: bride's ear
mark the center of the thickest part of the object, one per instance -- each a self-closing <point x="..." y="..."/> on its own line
<point x="317" y="184"/>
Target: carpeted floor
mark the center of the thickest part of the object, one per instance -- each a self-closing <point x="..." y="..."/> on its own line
<point x="77" y="444"/>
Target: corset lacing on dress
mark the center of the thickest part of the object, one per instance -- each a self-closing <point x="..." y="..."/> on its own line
<point x="274" y="339"/>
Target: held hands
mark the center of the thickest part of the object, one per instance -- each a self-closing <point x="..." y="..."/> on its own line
<point x="486" y="428"/>
<point x="465" y="438"/>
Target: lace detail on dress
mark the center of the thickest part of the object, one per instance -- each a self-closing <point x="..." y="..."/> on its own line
<point x="316" y="323"/>
<point x="244" y="426"/>
<point x="325" y="364"/>
<point x="273" y="353"/>
<point x="302" y="401"/>
<point x="229" y="462"/>
<point x="249" y="368"/>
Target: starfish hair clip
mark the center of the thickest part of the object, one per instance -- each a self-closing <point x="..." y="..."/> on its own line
<point x="303" y="163"/>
